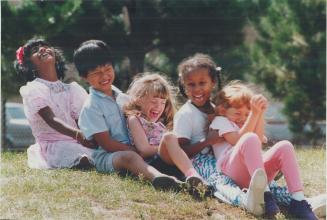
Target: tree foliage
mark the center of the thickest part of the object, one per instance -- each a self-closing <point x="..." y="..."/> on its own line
<point x="290" y="59"/>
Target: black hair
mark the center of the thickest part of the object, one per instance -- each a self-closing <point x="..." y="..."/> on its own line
<point x="196" y="62"/>
<point x="27" y="69"/>
<point x="90" y="55"/>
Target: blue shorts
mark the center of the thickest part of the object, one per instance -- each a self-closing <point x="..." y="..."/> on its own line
<point x="103" y="161"/>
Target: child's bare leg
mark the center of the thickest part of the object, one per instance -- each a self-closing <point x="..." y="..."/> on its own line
<point x="171" y="152"/>
<point x="133" y="162"/>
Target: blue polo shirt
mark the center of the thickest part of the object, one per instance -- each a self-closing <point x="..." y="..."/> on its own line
<point x="102" y="113"/>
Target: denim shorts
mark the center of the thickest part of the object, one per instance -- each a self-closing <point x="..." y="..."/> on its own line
<point x="103" y="161"/>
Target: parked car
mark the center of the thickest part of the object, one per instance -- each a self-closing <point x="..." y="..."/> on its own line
<point x="18" y="133"/>
<point x="276" y="123"/>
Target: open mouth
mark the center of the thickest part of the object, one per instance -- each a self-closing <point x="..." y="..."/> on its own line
<point x="198" y="98"/>
<point x="45" y="55"/>
<point x="154" y="114"/>
<point x="104" y="83"/>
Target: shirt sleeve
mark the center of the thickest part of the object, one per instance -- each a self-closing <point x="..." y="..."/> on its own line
<point x="78" y="97"/>
<point x="35" y="96"/>
<point x="182" y="125"/>
<point x="91" y="121"/>
<point x="223" y="125"/>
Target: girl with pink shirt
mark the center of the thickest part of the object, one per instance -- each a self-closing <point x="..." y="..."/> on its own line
<point x="240" y="122"/>
<point x="52" y="109"/>
<point x="150" y="113"/>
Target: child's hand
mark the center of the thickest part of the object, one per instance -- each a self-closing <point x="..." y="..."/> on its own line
<point x="213" y="137"/>
<point x="89" y="144"/>
<point x="83" y="141"/>
<point x="259" y="103"/>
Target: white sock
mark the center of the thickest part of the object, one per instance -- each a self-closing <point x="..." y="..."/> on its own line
<point x="267" y="189"/>
<point x="299" y="196"/>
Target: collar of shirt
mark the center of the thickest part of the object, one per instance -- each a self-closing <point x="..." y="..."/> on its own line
<point x="115" y="92"/>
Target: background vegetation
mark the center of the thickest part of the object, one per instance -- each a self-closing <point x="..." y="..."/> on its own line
<point x="279" y="44"/>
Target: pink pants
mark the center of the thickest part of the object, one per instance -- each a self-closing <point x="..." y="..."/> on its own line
<point x="246" y="157"/>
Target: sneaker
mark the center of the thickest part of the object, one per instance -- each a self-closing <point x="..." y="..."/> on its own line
<point x="301" y="210"/>
<point x="318" y="204"/>
<point x="194" y="181"/>
<point x="271" y="207"/>
<point x="197" y="187"/>
<point x="167" y="183"/>
<point x="254" y="200"/>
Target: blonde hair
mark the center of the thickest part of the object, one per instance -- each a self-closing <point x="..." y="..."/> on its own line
<point x="154" y="85"/>
<point x="235" y="94"/>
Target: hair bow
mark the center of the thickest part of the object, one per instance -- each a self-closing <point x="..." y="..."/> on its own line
<point x="20" y="55"/>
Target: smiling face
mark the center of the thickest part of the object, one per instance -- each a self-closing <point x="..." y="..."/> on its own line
<point x="152" y="107"/>
<point x="102" y="78"/>
<point x="42" y="55"/>
<point x="198" y="86"/>
<point x="238" y="115"/>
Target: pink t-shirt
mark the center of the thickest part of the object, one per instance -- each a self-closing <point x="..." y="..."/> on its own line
<point x="53" y="149"/>
<point x="65" y="100"/>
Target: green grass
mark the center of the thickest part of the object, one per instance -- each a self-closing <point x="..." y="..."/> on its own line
<point x="75" y="194"/>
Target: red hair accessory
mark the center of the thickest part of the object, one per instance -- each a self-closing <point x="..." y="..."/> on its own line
<point x="20" y="55"/>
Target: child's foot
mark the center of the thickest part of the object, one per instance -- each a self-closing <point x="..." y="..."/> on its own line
<point x="194" y="181"/>
<point x="167" y="183"/>
<point x="301" y="210"/>
<point x="254" y="197"/>
<point x="197" y="187"/>
<point x="271" y="207"/>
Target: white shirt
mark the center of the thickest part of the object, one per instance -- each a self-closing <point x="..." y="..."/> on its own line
<point x="191" y="123"/>
<point x="223" y="125"/>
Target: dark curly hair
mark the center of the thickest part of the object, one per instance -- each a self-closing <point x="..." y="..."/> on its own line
<point x="194" y="63"/>
<point x="27" y="69"/>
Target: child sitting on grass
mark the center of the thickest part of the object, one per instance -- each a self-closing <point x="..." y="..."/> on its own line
<point x="150" y="114"/>
<point x="240" y="122"/>
<point x="102" y="119"/>
<point x="52" y="109"/>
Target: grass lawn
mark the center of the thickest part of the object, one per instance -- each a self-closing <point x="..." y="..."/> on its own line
<point x="75" y="194"/>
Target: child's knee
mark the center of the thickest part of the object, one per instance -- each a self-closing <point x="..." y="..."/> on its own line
<point x="168" y="139"/>
<point x="126" y="159"/>
<point x="285" y="146"/>
<point x="251" y="139"/>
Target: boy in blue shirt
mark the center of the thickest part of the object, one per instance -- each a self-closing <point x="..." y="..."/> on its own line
<point x="102" y="119"/>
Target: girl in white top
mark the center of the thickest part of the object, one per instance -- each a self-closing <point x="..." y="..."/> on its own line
<point x="241" y="124"/>
<point x="198" y="76"/>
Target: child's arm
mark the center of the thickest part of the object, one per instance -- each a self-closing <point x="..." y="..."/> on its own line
<point x="253" y="122"/>
<point x="140" y="140"/>
<point x="192" y="149"/>
<point x="57" y="124"/>
<point x="249" y="126"/>
<point x="109" y="144"/>
<point x="260" y="126"/>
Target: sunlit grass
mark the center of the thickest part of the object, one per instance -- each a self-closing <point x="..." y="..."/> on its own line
<point x="75" y="194"/>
